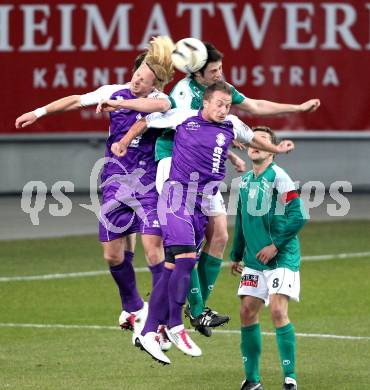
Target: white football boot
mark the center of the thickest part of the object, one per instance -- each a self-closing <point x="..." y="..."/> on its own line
<point x="150" y="344"/>
<point x="126" y="320"/>
<point x="134" y="321"/>
<point x="140" y="318"/>
<point x="164" y="341"/>
<point x="181" y="340"/>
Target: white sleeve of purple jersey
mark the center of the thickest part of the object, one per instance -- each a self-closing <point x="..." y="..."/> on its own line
<point x="242" y="132"/>
<point x="159" y="95"/>
<point x="170" y="119"/>
<point x="102" y="93"/>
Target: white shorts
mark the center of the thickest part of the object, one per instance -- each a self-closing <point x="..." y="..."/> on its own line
<point x="262" y="284"/>
<point x="163" y="173"/>
<point x="215" y="207"/>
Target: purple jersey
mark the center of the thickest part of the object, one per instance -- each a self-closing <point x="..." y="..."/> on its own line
<point x="128" y="183"/>
<point x="200" y="146"/>
<point x="140" y="153"/>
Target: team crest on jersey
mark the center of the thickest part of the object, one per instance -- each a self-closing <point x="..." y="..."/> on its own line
<point x="220" y="139"/>
<point x="249" y="280"/>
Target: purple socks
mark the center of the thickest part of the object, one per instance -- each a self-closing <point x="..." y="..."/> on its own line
<point x="158" y="303"/>
<point x="156" y="271"/>
<point x="178" y="286"/>
<point x="124" y="276"/>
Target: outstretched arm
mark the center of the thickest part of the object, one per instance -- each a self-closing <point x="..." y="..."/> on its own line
<point x="68" y="103"/>
<point x="120" y="148"/>
<point x="265" y="107"/>
<point x="259" y="142"/>
<point x="140" y="104"/>
<point x="239" y="164"/>
<point x="244" y="134"/>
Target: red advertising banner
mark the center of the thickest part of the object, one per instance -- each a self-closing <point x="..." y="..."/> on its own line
<point x="284" y="51"/>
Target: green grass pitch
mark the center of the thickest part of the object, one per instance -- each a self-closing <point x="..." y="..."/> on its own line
<point x="335" y="300"/>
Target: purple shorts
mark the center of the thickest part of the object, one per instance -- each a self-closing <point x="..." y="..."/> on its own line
<point x="123" y="213"/>
<point x="182" y="220"/>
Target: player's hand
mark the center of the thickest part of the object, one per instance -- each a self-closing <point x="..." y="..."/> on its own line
<point x="239" y="164"/>
<point x="25" y="120"/>
<point x="118" y="149"/>
<point x="285" y="146"/>
<point x="267" y="253"/>
<point x="107" y="106"/>
<point x="236" y="267"/>
<point x="309" y="106"/>
<point x="239" y="145"/>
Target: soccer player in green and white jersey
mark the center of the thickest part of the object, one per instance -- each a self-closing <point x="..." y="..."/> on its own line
<point x="269" y="216"/>
<point x="188" y="93"/>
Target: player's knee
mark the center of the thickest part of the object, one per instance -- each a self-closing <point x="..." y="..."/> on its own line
<point x="221" y="237"/>
<point x="154" y="256"/>
<point x="219" y="240"/>
<point x="113" y="258"/>
<point x="278" y="315"/>
<point x="247" y="314"/>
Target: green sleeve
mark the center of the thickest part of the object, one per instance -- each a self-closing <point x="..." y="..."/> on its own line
<point x="237" y="97"/>
<point x="238" y="242"/>
<point x="295" y="219"/>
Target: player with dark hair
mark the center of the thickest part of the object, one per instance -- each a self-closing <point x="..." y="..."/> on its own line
<point x="188" y="93"/>
<point x="269" y="216"/>
<point x="198" y="166"/>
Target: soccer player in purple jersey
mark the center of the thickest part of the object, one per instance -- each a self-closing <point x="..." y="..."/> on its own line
<point x="128" y="184"/>
<point x="198" y="166"/>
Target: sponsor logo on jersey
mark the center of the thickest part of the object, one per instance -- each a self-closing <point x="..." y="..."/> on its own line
<point x="220" y="139"/>
<point x="216" y="159"/>
<point x="249" y="280"/>
<point x="135" y="142"/>
<point x="192" y="126"/>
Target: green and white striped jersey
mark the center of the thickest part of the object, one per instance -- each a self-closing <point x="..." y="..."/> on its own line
<point x="269" y="211"/>
<point x="187" y="93"/>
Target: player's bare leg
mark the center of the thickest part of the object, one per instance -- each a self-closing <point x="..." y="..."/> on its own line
<point x="154" y="254"/>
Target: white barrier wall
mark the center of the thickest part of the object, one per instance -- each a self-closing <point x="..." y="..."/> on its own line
<point x="325" y="157"/>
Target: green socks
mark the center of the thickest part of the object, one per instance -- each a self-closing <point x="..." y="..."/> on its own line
<point x="285" y="337"/>
<point x="208" y="269"/>
<point x="251" y="347"/>
<point x="194" y="294"/>
<point x="202" y="280"/>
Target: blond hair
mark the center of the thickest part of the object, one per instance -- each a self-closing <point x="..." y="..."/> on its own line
<point x="158" y="59"/>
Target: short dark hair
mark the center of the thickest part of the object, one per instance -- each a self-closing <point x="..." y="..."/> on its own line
<point x="217" y="86"/>
<point x="265" y="129"/>
<point x="138" y="61"/>
<point x="213" y="55"/>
